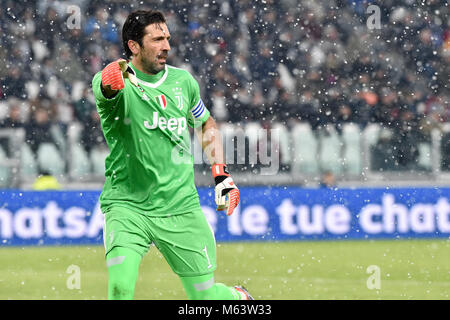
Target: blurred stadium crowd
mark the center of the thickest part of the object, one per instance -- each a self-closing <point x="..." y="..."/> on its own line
<point x="270" y="62"/>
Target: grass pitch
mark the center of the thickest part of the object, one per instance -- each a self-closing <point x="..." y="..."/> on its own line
<point x="408" y="269"/>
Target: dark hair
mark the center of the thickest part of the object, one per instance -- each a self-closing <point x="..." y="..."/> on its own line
<point x="134" y="26"/>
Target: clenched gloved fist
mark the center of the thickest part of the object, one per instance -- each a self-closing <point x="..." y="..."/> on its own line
<point x="114" y="73"/>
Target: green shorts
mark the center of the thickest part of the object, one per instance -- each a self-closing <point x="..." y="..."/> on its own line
<point x="185" y="240"/>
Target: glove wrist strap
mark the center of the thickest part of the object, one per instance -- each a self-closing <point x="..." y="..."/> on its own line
<point x="220" y="170"/>
<point x="220" y="173"/>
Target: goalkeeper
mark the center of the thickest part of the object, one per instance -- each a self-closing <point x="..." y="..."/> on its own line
<point x="149" y="195"/>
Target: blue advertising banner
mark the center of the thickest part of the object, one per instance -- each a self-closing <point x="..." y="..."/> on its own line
<point x="264" y="214"/>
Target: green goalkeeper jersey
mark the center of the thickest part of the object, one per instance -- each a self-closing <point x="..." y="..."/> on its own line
<point x="150" y="166"/>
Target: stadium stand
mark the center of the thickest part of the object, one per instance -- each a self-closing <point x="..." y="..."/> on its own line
<point x="343" y="98"/>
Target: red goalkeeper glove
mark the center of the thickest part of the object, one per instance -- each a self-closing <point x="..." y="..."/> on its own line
<point x="114" y="73"/>
<point x="226" y="192"/>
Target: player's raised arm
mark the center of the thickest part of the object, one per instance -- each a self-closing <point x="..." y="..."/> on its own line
<point x="226" y="192"/>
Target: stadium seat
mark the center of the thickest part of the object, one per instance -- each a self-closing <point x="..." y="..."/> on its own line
<point x="4" y="109"/>
<point x="60" y="140"/>
<point x="371" y="134"/>
<point x="28" y="164"/>
<point x="444" y="146"/>
<point x="352" y="155"/>
<point x="424" y="161"/>
<point x="330" y="150"/>
<point x="305" y="148"/>
<point x="79" y="164"/>
<point x="5" y="171"/>
<point x="97" y="157"/>
<point x="49" y="159"/>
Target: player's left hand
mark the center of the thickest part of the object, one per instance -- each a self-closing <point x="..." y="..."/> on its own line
<point x="226" y="192"/>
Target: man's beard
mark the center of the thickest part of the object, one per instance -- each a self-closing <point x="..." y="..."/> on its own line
<point x="152" y="67"/>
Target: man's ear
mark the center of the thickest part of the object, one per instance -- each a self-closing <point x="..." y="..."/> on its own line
<point x="134" y="47"/>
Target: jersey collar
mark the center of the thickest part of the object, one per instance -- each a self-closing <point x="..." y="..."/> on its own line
<point x="152" y="81"/>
